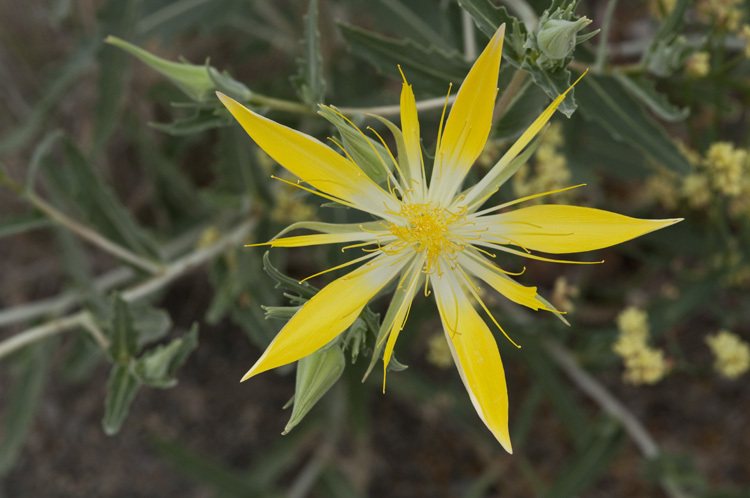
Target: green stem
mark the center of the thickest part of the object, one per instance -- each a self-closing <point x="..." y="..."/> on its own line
<point x="94" y="237"/>
<point x="601" y="53"/>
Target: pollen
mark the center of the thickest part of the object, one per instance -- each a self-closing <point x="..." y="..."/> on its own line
<point x="428" y="229"/>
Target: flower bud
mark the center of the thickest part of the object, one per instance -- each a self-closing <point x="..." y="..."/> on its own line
<point x="557" y="38"/>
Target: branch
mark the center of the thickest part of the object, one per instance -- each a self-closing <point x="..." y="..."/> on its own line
<point x="611" y="405"/>
<point x="169" y="274"/>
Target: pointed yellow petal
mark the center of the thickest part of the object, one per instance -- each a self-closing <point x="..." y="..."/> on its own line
<point x="487" y="183"/>
<point x="326" y="315"/>
<point x="410" y="282"/>
<point x="321" y="238"/>
<point x="470" y="120"/>
<point x="479" y="266"/>
<point x="410" y="131"/>
<point x="310" y="160"/>
<point x="563" y="229"/>
<point x="476" y="355"/>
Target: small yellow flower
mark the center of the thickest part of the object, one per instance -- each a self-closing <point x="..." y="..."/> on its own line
<point x="696" y="189"/>
<point x="429" y="232"/>
<point x="698" y="65"/>
<point x="732" y="354"/>
<point x="745" y="35"/>
<point x="633" y="322"/>
<point x="646" y="366"/>
<point x="725" y="164"/>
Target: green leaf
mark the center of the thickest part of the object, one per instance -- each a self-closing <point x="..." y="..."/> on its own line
<point x="40" y="152"/>
<point x="487" y="16"/>
<point x="150" y="324"/>
<point x="198" y="122"/>
<point x="554" y="83"/>
<point x="369" y="155"/>
<point x="117" y="17"/>
<point x="646" y="92"/>
<point x="157" y="366"/>
<point x="311" y="86"/>
<point x="304" y="289"/>
<point x="24" y="223"/>
<point x="122" y="387"/>
<point x="54" y="92"/>
<point x="316" y="374"/>
<point x="591" y="461"/>
<point x="22" y="401"/>
<point x="224" y="480"/>
<point x="606" y="102"/>
<point x="429" y="69"/>
<point x="77" y="183"/>
<point x="122" y="333"/>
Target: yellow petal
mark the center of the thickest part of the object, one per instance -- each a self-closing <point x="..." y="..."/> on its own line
<point x="488" y="182"/>
<point x="493" y="276"/>
<point x="469" y="122"/>
<point x="311" y="161"/>
<point x="320" y="238"/>
<point x="410" y="131"/>
<point x="563" y="229"/>
<point x="476" y="355"/>
<point x="410" y="281"/>
<point x="326" y="315"/>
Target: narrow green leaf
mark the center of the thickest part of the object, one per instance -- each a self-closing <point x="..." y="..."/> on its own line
<point x="21" y="224"/>
<point x="607" y="103"/>
<point x="311" y="86"/>
<point x="80" y="186"/>
<point x="198" y="122"/>
<point x="53" y="93"/>
<point x="157" y="366"/>
<point x="23" y="400"/>
<point x="304" y="289"/>
<point x="122" y="333"/>
<point x="584" y="467"/>
<point x="121" y="390"/>
<point x="429" y="69"/>
<point x="486" y="15"/>
<point x="40" y="152"/>
<point x="316" y="374"/>
<point x="224" y="480"/>
<point x="554" y="83"/>
<point x="117" y="17"/>
<point x="646" y="92"/>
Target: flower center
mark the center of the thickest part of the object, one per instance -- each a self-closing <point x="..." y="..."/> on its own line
<point x="428" y="229"/>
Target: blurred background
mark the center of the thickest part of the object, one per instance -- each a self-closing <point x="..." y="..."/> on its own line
<point x="130" y="310"/>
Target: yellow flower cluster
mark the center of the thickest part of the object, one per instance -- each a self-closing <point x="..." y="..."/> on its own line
<point x="438" y="352"/>
<point x="643" y="364"/>
<point x="698" y="65"/>
<point x="732" y="354"/>
<point x="551" y="169"/>
<point x="745" y="35"/>
<point x="725" y="164"/>
<point x="289" y="207"/>
<point x="563" y="294"/>
<point x="721" y="13"/>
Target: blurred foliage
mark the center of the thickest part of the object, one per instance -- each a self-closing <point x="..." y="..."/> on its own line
<point x="119" y="142"/>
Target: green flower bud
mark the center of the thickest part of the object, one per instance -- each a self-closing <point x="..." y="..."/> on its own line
<point x="316" y="374"/>
<point x="192" y="79"/>
<point x="557" y="38"/>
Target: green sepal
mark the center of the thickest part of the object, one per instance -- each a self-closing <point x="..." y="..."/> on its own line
<point x="369" y="155"/>
<point x="192" y="79"/>
<point x="316" y="374"/>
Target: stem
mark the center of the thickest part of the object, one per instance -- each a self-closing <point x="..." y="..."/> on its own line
<point x="508" y="94"/>
<point x="601" y="53"/>
<point x="611" y="405"/>
<point x="86" y="233"/>
<point x="470" y="41"/>
<point x="170" y="273"/>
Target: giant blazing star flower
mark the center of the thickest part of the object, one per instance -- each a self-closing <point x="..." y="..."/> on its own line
<point x="431" y="234"/>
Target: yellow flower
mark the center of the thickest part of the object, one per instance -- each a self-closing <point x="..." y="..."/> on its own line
<point x="431" y="234"/>
<point x="732" y="354"/>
